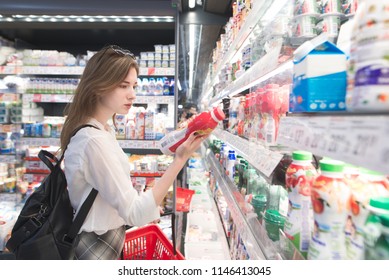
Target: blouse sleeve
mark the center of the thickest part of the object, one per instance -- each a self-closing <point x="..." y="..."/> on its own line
<point x="105" y="172"/>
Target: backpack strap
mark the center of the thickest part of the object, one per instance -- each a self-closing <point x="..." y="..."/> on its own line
<point x="81" y="216"/>
<point x="86" y="206"/>
<point x="74" y="133"/>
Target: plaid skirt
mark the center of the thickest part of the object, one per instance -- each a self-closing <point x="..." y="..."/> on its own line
<point x="107" y="246"/>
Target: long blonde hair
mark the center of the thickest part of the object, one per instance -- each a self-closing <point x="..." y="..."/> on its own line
<point x="105" y="71"/>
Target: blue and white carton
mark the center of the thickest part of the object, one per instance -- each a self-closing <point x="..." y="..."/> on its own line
<point x="319" y="77"/>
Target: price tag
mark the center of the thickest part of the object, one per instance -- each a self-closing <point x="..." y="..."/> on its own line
<point x="37" y="97"/>
<point x="151" y="71"/>
<point x="46" y="98"/>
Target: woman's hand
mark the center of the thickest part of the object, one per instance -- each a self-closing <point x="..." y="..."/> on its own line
<point x="186" y="149"/>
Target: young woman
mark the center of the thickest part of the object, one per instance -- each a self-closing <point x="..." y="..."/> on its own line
<point x="94" y="159"/>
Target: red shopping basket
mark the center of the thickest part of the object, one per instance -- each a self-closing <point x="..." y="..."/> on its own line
<point x="149" y="243"/>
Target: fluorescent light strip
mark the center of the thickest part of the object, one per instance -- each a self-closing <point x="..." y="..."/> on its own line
<point x="86" y="18"/>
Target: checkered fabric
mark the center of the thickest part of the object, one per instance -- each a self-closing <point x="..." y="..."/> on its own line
<point x="107" y="246"/>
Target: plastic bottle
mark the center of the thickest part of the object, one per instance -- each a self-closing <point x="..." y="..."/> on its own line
<point x="274" y="221"/>
<point x="299" y="178"/>
<point x="330" y="196"/>
<point x="203" y="124"/>
<point x="166" y="86"/>
<point x="363" y="188"/>
<point x="171" y="88"/>
<point x="376" y="231"/>
<point x="145" y="86"/>
<point x="152" y="87"/>
<point x="230" y="166"/>
<point x="221" y="153"/>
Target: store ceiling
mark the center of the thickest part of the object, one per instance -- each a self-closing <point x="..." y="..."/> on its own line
<point x="78" y="37"/>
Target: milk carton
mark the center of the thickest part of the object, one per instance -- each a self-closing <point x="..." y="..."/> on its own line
<point x="319" y="77"/>
<point x="120" y="121"/>
<point x="149" y="126"/>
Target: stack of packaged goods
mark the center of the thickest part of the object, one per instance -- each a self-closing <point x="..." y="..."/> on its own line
<point x="10" y="207"/>
<point x="368" y="70"/>
<point x="163" y="57"/>
<point x="142" y="124"/>
<point x="329" y="208"/>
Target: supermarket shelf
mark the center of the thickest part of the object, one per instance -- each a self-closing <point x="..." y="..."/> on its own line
<point x="66" y="98"/>
<point x="8" y="97"/>
<point x="262" y="158"/>
<point x="249" y="24"/>
<point x="241" y="221"/>
<point x="36" y="141"/>
<point x="125" y="144"/>
<point x="358" y="140"/>
<point x="10" y="127"/>
<point x="73" y="70"/>
<point x="51" y="70"/>
<point x="8" y="158"/>
<point x="163" y="99"/>
<point x="252" y="231"/>
<point x="262" y="12"/>
<point x="50" y="98"/>
<point x="257" y="74"/>
<point x="146" y="174"/>
<point x="138" y="144"/>
<point x="151" y="71"/>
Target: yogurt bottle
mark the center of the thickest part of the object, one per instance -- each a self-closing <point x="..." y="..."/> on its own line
<point x="330" y="196"/>
<point x="362" y="189"/>
<point x="376" y="231"/>
<point x="299" y="222"/>
<point x="203" y="124"/>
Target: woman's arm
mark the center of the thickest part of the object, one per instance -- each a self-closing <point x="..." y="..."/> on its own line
<point x="183" y="152"/>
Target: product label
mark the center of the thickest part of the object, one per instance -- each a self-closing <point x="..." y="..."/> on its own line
<point x="372" y="75"/>
<point x="299" y="224"/>
<point x="329" y="201"/>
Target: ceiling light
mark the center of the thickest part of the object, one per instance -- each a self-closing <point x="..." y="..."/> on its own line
<point x="99" y="18"/>
<point x="192" y="3"/>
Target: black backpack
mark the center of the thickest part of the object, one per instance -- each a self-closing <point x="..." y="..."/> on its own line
<point x="45" y="229"/>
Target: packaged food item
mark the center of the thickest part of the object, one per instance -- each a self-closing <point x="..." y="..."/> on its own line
<point x="363" y="187"/>
<point x="274" y="222"/>
<point x="331" y="7"/>
<point x="203" y="124"/>
<point x="299" y="179"/>
<point x="330" y="196"/>
<point x="305" y="7"/>
<point x="305" y="26"/>
<point x="377" y="230"/>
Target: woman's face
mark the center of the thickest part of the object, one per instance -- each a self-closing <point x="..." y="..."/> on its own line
<point x="120" y="100"/>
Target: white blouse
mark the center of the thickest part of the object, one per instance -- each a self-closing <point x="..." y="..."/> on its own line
<point x="95" y="159"/>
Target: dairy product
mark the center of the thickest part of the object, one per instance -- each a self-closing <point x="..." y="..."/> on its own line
<point x="376" y="231"/>
<point x="363" y="187"/>
<point x="203" y="124"/>
<point x="330" y="196"/>
<point x="299" y="222"/>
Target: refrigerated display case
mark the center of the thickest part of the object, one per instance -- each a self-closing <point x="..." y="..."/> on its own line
<point x="253" y="76"/>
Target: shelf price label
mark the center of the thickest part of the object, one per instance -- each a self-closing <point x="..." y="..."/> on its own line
<point x="358" y="140"/>
<point x="36" y="97"/>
